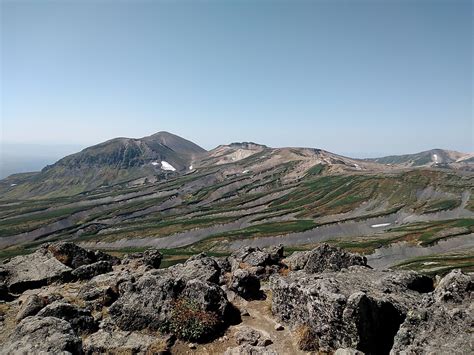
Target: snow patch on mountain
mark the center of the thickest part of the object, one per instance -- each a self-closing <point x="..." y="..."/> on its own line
<point x="167" y="166"/>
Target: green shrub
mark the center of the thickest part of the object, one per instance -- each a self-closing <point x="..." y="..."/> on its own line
<point x="189" y="322"/>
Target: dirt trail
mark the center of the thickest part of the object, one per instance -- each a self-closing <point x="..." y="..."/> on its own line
<point x="260" y="319"/>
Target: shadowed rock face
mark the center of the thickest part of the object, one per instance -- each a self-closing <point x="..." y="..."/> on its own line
<point x="356" y="307"/>
<point x="441" y="322"/>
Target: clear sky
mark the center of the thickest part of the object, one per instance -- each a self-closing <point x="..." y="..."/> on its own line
<point x="353" y="77"/>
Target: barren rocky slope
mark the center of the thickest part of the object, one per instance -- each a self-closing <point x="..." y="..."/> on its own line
<point x="65" y="299"/>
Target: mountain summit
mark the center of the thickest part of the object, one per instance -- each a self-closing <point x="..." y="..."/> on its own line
<point x="115" y="161"/>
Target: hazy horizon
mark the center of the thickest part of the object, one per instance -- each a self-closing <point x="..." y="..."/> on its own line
<point x="351" y="77"/>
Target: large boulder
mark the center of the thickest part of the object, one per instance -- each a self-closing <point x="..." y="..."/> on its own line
<point x="74" y="256"/>
<point x="34" y="270"/>
<point x="297" y="260"/>
<point x="245" y="284"/>
<point x="257" y="257"/>
<point x="80" y="319"/>
<point x="443" y="322"/>
<point x="32" y="305"/>
<point x="159" y="302"/>
<point x="53" y="262"/>
<point x="145" y="303"/>
<point x="259" y="262"/>
<point x="323" y="258"/>
<point x="50" y="335"/>
<point x="85" y="272"/>
<point x="120" y="342"/>
<point x="199" y="267"/>
<point x="356" y="308"/>
<point x="151" y="258"/>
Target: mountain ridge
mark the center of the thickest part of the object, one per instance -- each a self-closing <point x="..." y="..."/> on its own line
<point x="163" y="155"/>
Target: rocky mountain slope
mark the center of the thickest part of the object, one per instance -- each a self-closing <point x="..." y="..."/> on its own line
<point x="433" y="157"/>
<point x="118" y="160"/>
<point x="65" y="299"/>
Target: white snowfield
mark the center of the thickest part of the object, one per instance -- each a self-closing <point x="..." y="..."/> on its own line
<point x="380" y="225"/>
<point x="155" y="163"/>
<point x="435" y="157"/>
<point x="167" y="166"/>
<point x="190" y="167"/>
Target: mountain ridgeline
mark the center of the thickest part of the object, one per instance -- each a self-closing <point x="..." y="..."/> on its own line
<point x="134" y="162"/>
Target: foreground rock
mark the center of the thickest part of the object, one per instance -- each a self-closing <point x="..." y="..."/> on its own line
<point x="80" y="319"/>
<point x="440" y="324"/>
<point x="357" y="307"/>
<point x="325" y="300"/>
<point x="43" y="334"/>
<point x="55" y="262"/>
<point x="120" y="342"/>
<point x="35" y="270"/>
<point x="159" y="302"/>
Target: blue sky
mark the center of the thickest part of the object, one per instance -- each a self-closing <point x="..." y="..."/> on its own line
<point x="354" y="77"/>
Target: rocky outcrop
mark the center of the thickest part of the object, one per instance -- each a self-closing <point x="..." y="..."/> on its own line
<point x="30" y="307"/>
<point x="245" y="284"/>
<point x="50" y="335"/>
<point x="357" y="307"/>
<point x="120" y="342"/>
<point x="35" y="270"/>
<point x="323" y="300"/>
<point x="324" y="258"/>
<point x="150" y="257"/>
<point x="199" y="267"/>
<point x="440" y="323"/>
<point x="80" y="319"/>
<point x="259" y="262"/>
<point x="55" y="262"/>
<point x="150" y="302"/>
<point x="74" y="256"/>
<point x="85" y="272"/>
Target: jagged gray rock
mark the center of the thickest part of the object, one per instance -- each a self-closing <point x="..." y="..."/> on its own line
<point x="356" y="307"/>
<point x="250" y="336"/>
<point x="245" y="284"/>
<point x="34" y="270"/>
<point x="51" y="335"/>
<point x="199" y="267"/>
<point x="120" y="342"/>
<point x="80" y="319"/>
<point x="442" y="322"/>
<point x="250" y="350"/>
<point x="85" y="272"/>
<point x="151" y="257"/>
<point x="71" y="254"/>
<point x="30" y="307"/>
<point x="326" y="257"/>
<point x="145" y="303"/>
<point x="297" y="260"/>
<point x="149" y="303"/>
